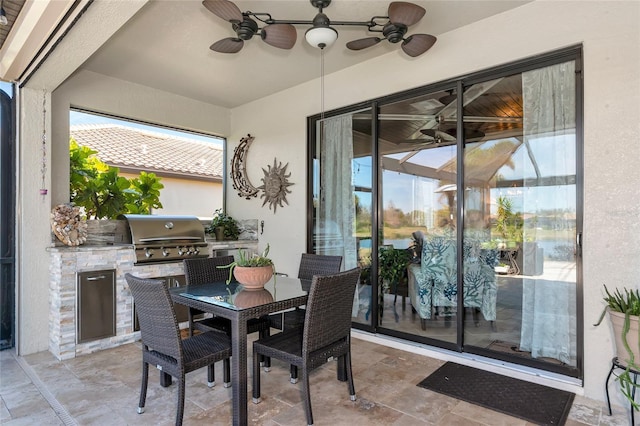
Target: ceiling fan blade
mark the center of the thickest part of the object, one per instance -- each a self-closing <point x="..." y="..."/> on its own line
<point x="282" y="36"/>
<point x="447" y="99"/>
<point x="224" y="9"/>
<point x="227" y="45"/>
<point x="417" y="44"/>
<point x="438" y="135"/>
<point x="429" y="132"/>
<point x="363" y="43"/>
<point x="401" y="12"/>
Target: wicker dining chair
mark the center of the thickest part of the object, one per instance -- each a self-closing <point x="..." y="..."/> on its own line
<point x="310" y="265"/>
<point x="326" y="334"/>
<point x="206" y="270"/>
<point x="162" y="345"/>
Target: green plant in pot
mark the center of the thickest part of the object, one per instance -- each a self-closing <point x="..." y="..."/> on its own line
<point x="624" y="312"/>
<point x="223" y="226"/>
<point x="253" y="271"/>
<point x="392" y="265"/>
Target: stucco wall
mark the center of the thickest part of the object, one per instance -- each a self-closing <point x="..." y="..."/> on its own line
<point x="610" y="37"/>
<point x="191" y="197"/>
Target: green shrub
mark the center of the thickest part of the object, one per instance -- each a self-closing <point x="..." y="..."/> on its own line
<point x="104" y="194"/>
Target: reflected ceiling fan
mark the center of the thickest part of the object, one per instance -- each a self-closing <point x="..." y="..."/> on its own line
<point x="440" y="134"/>
<point x="282" y="33"/>
<point x="450" y="135"/>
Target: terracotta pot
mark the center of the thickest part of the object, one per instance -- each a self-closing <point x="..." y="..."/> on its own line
<point x="253" y="277"/>
<point x="617" y="320"/>
<point x="249" y="298"/>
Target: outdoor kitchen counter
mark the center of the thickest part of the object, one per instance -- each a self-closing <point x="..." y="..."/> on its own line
<point x="64" y="265"/>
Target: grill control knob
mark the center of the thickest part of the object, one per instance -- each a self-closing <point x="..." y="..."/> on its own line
<point x="148" y="253"/>
<point x="190" y="251"/>
<point x="196" y="250"/>
<point x="180" y="250"/>
<point x="165" y="252"/>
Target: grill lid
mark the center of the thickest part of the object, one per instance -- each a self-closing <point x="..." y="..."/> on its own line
<point x="156" y="229"/>
<point x="166" y="238"/>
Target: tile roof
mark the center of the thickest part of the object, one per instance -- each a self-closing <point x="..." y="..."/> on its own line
<point x="131" y="148"/>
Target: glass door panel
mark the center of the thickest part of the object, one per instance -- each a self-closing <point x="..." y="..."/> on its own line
<point x="342" y="198"/>
<point x="417" y="223"/>
<point x="520" y="216"/>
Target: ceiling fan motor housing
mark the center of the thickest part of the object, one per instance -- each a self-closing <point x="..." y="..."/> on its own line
<point x="394" y="32"/>
<point x="246" y="29"/>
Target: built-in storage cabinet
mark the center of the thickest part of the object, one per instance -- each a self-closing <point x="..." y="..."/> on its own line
<point x="96" y="305"/>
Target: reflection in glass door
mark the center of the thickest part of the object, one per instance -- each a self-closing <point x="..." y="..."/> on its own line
<point x="520" y="217"/>
<point x="342" y="199"/>
<point x="417" y="145"/>
<point x="466" y="200"/>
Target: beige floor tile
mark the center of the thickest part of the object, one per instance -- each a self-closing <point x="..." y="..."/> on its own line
<point x="483" y="416"/>
<point x="103" y="388"/>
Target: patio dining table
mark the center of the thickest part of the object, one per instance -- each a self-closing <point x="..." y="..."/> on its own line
<point x="239" y="305"/>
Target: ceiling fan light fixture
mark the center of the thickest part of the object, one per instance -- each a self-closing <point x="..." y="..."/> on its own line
<point x="321" y="35"/>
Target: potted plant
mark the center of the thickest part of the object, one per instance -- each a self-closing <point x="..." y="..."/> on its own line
<point x="624" y="311"/>
<point x="252" y="271"/>
<point x="393" y="266"/>
<point x="223" y="226"/>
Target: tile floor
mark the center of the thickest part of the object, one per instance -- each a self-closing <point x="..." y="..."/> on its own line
<point x="103" y="388"/>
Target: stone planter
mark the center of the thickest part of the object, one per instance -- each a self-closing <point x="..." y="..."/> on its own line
<point x="253" y="277"/>
<point x="107" y="231"/>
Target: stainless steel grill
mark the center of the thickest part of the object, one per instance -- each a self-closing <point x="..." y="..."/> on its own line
<point x="166" y="238"/>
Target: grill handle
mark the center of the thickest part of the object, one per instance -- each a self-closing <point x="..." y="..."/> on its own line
<point x="148" y="240"/>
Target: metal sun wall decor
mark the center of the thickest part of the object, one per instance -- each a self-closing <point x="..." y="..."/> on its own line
<point x="275" y="185"/>
<point x="241" y="182"/>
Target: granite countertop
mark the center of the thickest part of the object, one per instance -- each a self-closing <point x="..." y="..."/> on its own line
<point x="87" y="247"/>
<point x="123" y="246"/>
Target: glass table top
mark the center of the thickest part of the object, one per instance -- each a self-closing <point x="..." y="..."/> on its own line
<point x="235" y="296"/>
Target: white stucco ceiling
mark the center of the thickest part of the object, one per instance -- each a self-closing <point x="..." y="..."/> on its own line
<point x="166" y="46"/>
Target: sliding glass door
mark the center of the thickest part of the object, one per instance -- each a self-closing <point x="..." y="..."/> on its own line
<point x="520" y="213"/>
<point x="342" y="173"/>
<point x="460" y="202"/>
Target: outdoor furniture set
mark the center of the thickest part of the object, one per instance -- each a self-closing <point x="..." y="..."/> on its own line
<point x="325" y="329"/>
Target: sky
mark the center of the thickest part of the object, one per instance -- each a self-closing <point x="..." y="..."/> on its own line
<point x="77" y="117"/>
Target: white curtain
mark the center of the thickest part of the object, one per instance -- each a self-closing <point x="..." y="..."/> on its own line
<point x="549" y="296"/>
<point x="337" y="207"/>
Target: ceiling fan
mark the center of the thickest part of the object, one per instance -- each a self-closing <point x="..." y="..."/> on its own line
<point x="282" y="33"/>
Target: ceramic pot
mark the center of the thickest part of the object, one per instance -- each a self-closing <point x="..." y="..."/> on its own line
<point x="617" y="321"/>
<point x="253" y="277"/>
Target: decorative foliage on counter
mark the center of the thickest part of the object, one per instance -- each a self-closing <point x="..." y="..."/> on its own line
<point x="67" y="224"/>
<point x="275" y="184"/>
<point x="241" y="182"/>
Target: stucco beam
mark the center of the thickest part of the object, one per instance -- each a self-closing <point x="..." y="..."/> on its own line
<point x="95" y="26"/>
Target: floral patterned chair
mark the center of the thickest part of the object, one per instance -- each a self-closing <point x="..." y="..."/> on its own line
<point x="432" y="282"/>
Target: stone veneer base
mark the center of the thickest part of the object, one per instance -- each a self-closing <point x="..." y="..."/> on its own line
<point x="66" y="262"/>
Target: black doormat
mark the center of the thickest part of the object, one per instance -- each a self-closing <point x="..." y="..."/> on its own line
<point x="529" y="401"/>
